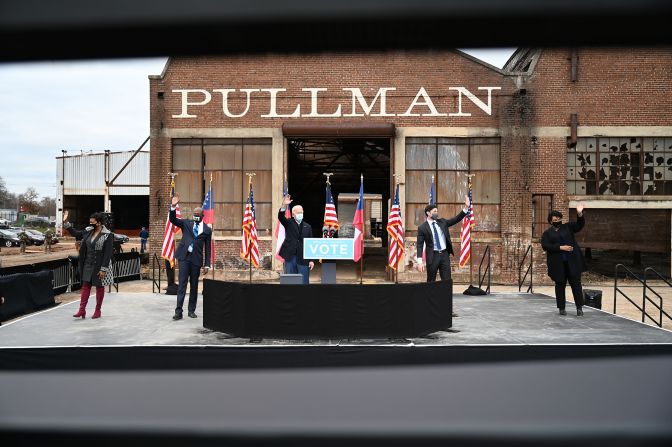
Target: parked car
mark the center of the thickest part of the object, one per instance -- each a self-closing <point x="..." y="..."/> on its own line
<point x="34" y="236"/>
<point x="9" y="239"/>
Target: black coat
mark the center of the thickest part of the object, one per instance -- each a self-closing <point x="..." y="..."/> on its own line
<point x="294" y="235"/>
<point x="103" y="252"/>
<point x="425" y="235"/>
<point x="202" y="244"/>
<point x="550" y="242"/>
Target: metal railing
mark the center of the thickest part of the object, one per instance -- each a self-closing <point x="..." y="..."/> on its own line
<point x="618" y="290"/>
<point x="645" y="298"/>
<point x="156" y="265"/>
<point x="125" y="267"/>
<point x="529" y="270"/>
<point x="488" y="270"/>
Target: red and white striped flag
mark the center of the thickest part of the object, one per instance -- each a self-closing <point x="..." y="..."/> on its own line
<point x="249" y="249"/>
<point x="467" y="224"/>
<point x="330" y="216"/>
<point x="168" y="249"/>
<point x="395" y="228"/>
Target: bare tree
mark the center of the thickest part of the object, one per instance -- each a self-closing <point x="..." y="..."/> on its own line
<point x="47" y="207"/>
<point x="28" y="201"/>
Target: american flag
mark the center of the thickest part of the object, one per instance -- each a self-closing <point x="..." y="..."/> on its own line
<point x="395" y="228"/>
<point x="330" y="216"/>
<point x="467" y="223"/>
<point x="249" y="249"/>
<point x="279" y="227"/>
<point x="168" y="250"/>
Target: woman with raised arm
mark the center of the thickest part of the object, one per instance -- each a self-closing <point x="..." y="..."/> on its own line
<point x="95" y="261"/>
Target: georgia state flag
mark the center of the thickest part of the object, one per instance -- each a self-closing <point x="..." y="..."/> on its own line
<point x="358" y="223"/>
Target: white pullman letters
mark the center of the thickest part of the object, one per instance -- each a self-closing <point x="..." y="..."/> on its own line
<point x="193" y="100"/>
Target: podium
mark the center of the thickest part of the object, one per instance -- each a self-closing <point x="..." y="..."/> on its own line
<point x="328" y="273"/>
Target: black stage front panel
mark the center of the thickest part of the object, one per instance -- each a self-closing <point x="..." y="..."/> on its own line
<point x="327" y="310"/>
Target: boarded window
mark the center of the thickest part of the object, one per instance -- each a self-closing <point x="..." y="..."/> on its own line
<point x="225" y="160"/>
<point x="449" y="160"/>
<point x="542" y="204"/>
<point x="620" y="166"/>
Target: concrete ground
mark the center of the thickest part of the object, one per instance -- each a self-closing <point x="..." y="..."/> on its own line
<point x="145" y="319"/>
<point x="623" y="307"/>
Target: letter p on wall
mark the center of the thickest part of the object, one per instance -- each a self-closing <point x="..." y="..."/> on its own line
<point x="185" y="101"/>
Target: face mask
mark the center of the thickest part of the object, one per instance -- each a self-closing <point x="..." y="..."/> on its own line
<point x="435" y="216"/>
<point x="556" y="224"/>
<point x="299" y="217"/>
<point x="197" y="219"/>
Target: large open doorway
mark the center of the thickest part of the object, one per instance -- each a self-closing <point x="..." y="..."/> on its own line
<point x="347" y="158"/>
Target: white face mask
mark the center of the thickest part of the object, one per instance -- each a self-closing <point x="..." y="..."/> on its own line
<point x="299" y="217"/>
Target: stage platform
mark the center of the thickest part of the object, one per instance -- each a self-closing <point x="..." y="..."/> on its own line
<point x="145" y="319"/>
<point x="512" y="372"/>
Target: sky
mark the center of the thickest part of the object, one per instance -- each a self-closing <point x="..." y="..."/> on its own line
<point x="46" y="107"/>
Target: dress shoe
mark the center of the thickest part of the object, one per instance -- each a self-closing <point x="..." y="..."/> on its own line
<point x="192" y="315"/>
<point x="177" y="316"/>
<point x="454" y="315"/>
<point x="579" y="312"/>
<point x="563" y="312"/>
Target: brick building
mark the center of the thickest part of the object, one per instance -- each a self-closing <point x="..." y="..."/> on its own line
<point x="553" y="128"/>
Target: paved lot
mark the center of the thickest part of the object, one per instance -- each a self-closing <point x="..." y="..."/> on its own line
<point x="145" y="319"/>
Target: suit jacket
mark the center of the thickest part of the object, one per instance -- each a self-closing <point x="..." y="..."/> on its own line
<point x="294" y="235"/>
<point x="425" y="235"/>
<point x="201" y="244"/>
<point x="551" y="242"/>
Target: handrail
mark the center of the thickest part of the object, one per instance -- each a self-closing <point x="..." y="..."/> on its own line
<point x="488" y="270"/>
<point x="616" y="289"/>
<point x="529" y="270"/>
<point x="156" y="264"/>
<point x="661" y="311"/>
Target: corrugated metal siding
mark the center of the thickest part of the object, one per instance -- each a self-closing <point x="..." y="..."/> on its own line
<point x="84" y="174"/>
<point x="136" y="173"/>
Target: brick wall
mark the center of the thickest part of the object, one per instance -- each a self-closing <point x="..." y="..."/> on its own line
<point x="615" y="87"/>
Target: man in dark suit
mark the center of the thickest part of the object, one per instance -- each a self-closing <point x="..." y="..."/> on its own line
<point x="434" y="234"/>
<point x="564" y="258"/>
<point x="296" y="229"/>
<point x="196" y="236"/>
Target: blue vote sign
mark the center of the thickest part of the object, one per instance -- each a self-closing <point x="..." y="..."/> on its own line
<point x="318" y="248"/>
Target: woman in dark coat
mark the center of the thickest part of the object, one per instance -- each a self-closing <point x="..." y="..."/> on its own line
<point x="95" y="261"/>
<point x="564" y="258"/>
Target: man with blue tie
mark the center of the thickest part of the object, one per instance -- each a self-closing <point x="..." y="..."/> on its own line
<point x="434" y="234"/>
<point x="196" y="240"/>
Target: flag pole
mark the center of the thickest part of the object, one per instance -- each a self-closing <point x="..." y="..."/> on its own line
<point x="361" y="258"/>
<point x="471" y="234"/>
<point x="212" y="241"/>
<point x="249" y="251"/>
<point x="396" y="185"/>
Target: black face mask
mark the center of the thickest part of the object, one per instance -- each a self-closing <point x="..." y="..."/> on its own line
<point x="556" y="224"/>
<point x="197" y="218"/>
